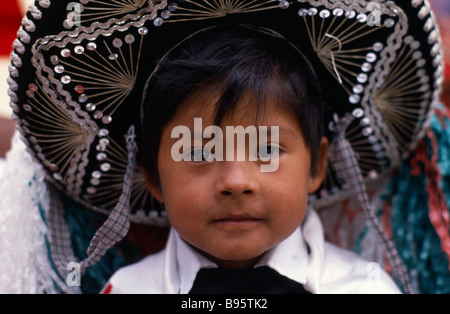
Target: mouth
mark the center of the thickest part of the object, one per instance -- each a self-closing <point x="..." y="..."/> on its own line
<point x="237" y="220"/>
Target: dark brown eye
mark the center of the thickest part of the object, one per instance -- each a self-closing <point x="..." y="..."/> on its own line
<point x="199" y="155"/>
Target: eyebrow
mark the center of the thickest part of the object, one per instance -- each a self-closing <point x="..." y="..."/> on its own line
<point x="287" y="132"/>
<point x="282" y="130"/>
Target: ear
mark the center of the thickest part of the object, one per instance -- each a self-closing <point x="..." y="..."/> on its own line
<point x="152" y="185"/>
<point x="316" y="181"/>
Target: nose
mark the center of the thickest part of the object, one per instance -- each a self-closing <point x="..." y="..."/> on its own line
<point x="237" y="178"/>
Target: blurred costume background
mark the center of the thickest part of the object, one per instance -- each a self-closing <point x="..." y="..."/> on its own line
<point x="413" y="204"/>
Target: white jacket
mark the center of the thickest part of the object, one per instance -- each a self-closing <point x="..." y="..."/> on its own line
<point x="304" y="257"/>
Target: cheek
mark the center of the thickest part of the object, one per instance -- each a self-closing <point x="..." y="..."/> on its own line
<point x="290" y="207"/>
<point x="289" y="199"/>
<point x="291" y="182"/>
<point x="178" y="193"/>
<point x="183" y="196"/>
<point x="182" y="210"/>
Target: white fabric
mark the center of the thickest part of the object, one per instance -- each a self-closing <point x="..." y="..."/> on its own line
<point x="24" y="264"/>
<point x="326" y="269"/>
<point x="2" y="166"/>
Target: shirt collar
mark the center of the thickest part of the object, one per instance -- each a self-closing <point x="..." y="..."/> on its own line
<point x="289" y="258"/>
<point x="189" y="263"/>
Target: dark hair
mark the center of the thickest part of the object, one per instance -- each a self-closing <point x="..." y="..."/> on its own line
<point x="235" y="59"/>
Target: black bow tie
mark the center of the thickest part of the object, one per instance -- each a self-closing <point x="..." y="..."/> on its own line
<point x="259" y="280"/>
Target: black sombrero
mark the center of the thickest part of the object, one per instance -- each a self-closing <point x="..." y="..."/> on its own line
<point x="79" y="68"/>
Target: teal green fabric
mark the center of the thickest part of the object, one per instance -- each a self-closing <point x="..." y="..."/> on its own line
<point x="82" y="225"/>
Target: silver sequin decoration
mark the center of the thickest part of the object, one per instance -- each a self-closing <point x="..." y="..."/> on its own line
<point x="362" y="78"/>
<point x="96" y="175"/>
<point x="83" y="98"/>
<point x="101" y="156"/>
<point x="358" y="89"/>
<point x="129" y="39"/>
<point x="354" y="99"/>
<point x="389" y="23"/>
<point x="371" y="57"/>
<point x="358" y="113"/>
<point x="54" y="60"/>
<point x="165" y="14"/>
<point x="103" y="132"/>
<point x="158" y="21"/>
<point x="143" y="31"/>
<point x="65" y="53"/>
<point x="59" y="69"/>
<point x="378" y="47"/>
<point x="324" y="14"/>
<point x="91" y="190"/>
<point x="91" y="107"/>
<point x="284" y="4"/>
<point x="173" y="7"/>
<point x="113" y="56"/>
<point x="98" y="114"/>
<point x="107" y="119"/>
<point x="66" y="79"/>
<point x="79" y="50"/>
<point x="117" y="42"/>
<point x="91" y="46"/>
<point x="105" y="167"/>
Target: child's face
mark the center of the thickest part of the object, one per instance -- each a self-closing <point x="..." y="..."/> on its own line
<point x="230" y="211"/>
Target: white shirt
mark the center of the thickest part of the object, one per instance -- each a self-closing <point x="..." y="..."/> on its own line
<point x="325" y="269"/>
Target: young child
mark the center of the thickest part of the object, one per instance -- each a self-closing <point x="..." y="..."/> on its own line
<point x="231" y="122"/>
<point x="229" y="214"/>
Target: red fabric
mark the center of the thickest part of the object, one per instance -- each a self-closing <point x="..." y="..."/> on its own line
<point x="107" y="289"/>
<point x="10" y="20"/>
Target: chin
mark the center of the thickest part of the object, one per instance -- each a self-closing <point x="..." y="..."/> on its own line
<point x="237" y="257"/>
